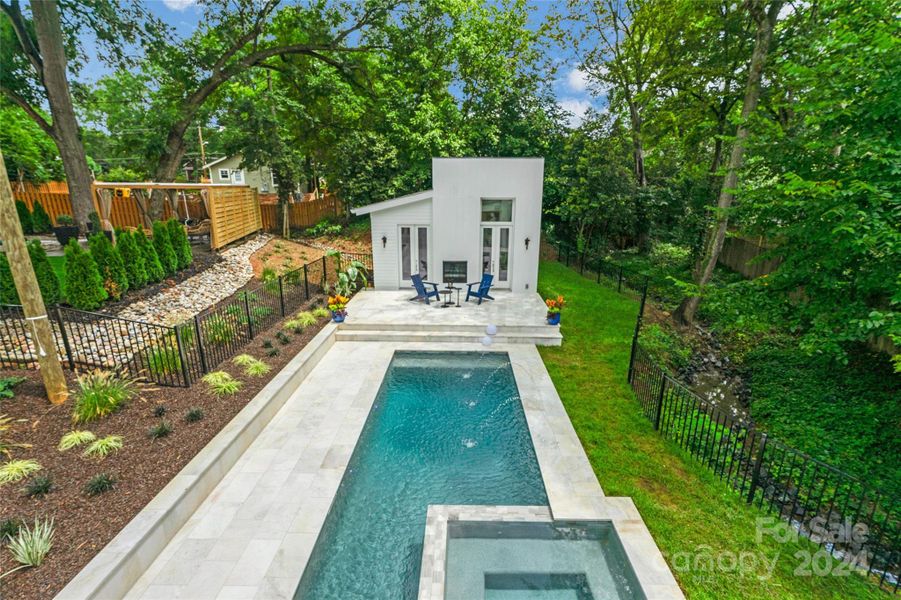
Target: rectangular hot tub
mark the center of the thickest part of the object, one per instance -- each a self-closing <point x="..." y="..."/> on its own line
<point x="537" y="560"/>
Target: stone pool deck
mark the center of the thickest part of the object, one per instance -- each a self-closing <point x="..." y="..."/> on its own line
<point x="254" y="530"/>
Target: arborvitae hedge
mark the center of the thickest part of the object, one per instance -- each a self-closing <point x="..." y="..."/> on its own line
<point x="8" y="293"/>
<point x="84" y="286"/>
<point x="110" y="265"/>
<point x="48" y="283"/>
<point x="40" y="220"/>
<point x="46" y="276"/>
<point x="24" y="217"/>
<point x="163" y="246"/>
<point x="180" y="244"/>
<point x="152" y="263"/>
<point x="133" y="259"/>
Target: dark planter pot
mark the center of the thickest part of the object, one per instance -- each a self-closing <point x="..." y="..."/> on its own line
<point x="553" y="318"/>
<point x="65" y="233"/>
<point x="337" y="318"/>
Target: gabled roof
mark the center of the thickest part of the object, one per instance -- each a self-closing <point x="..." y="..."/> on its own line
<point x="394" y="202"/>
<point x="215" y="162"/>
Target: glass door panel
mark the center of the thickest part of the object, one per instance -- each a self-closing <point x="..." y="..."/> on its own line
<point x="406" y="253"/>
<point x="487" y="249"/>
<point x="503" y="255"/>
<point x="422" y="251"/>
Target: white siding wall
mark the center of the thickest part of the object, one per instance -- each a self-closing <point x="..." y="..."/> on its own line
<point x="386" y="261"/>
<point x="459" y="185"/>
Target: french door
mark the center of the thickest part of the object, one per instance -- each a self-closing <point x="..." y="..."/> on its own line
<point x="414" y="252"/>
<point x="496" y="253"/>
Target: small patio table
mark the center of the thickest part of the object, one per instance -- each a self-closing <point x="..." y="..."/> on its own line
<point x="447" y="295"/>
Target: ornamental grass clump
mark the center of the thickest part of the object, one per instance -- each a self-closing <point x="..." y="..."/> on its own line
<point x="252" y="366"/>
<point x="194" y="415"/>
<point x="109" y="264"/>
<point x="31" y="545"/>
<point x="38" y="487"/>
<point x="221" y="383"/>
<point x="104" y="446"/>
<point x="162" y="243"/>
<point x="6" y="444"/>
<point x="152" y="264"/>
<point x="99" y="484"/>
<point x="319" y="312"/>
<point x="84" y="285"/>
<point x="160" y="430"/>
<point x="74" y="439"/>
<point x="101" y="393"/>
<point x="17" y="470"/>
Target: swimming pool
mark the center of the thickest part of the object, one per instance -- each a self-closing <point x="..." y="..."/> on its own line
<point x="445" y="428"/>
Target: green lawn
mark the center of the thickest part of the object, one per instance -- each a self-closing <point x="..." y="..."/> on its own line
<point x="59" y="267"/>
<point x="695" y="519"/>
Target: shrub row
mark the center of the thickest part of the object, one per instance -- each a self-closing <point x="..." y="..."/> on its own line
<point x="37" y="221"/>
<point x="105" y="270"/>
<point x="108" y="271"/>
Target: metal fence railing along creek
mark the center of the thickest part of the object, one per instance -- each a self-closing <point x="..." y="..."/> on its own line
<point x="170" y="355"/>
<point x="849" y="518"/>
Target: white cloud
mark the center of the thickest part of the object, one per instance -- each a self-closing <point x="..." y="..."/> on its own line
<point x="577" y="80"/>
<point x="576" y="109"/>
<point x="179" y="5"/>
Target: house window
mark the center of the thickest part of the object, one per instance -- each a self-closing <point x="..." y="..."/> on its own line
<point x="497" y="210"/>
<point x="224" y="175"/>
<point x="238" y="176"/>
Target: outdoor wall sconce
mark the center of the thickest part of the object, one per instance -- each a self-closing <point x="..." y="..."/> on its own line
<point x="527" y="243"/>
<point x="384" y="241"/>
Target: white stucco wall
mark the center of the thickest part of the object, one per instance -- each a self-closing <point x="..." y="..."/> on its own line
<point x="386" y="261"/>
<point x="459" y="185"/>
<point x="454" y="213"/>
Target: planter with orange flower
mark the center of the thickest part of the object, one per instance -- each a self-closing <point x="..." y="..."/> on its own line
<point x="554" y="307"/>
<point x="338" y="305"/>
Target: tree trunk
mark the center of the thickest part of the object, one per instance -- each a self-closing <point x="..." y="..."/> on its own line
<point x="637" y="144"/>
<point x="30" y="293"/>
<point x="65" y="125"/>
<point x="765" y="19"/>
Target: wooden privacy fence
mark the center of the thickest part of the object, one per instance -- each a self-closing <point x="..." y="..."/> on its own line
<point x="234" y="213"/>
<point x="301" y="214"/>
<point x="124" y="212"/>
<point x="738" y="252"/>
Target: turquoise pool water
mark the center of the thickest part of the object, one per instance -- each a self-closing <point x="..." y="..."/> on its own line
<point x="445" y="428"/>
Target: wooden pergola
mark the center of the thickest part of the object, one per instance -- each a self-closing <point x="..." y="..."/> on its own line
<point x="233" y="211"/>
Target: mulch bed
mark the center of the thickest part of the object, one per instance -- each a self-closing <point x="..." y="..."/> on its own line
<point x="84" y="525"/>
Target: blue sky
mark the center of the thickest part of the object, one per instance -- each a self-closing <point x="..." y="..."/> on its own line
<point x="569" y="85"/>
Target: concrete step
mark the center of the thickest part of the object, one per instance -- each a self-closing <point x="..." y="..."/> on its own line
<point x="549" y="338"/>
<point x="479" y="330"/>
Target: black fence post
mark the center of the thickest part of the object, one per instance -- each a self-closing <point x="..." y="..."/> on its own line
<point x="619" y="285"/>
<point x="324" y="285"/>
<point x="65" y="336"/>
<point x="660" y="397"/>
<point x="200" y="349"/>
<point x="247" y="314"/>
<point x="182" y="359"/>
<point x="306" y="283"/>
<point x="281" y="295"/>
<point x="644" y="296"/>
<point x="755" y="474"/>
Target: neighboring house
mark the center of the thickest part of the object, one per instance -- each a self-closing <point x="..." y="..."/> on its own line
<point x="482" y="215"/>
<point x="228" y="170"/>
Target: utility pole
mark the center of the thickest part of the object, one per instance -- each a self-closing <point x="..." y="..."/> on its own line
<point x="30" y="293"/>
<point x="202" y="151"/>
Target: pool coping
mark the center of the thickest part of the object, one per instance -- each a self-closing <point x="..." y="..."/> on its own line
<point x="654" y="577"/>
<point x="118" y="566"/>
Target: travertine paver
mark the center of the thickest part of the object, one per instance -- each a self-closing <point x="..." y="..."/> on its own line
<point x="253" y="535"/>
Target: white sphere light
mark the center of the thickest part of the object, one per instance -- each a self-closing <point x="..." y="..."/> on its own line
<point x="491" y="329"/>
<point x="487" y="341"/>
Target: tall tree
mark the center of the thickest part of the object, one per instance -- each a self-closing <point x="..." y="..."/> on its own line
<point x="40" y="52"/>
<point x="764" y="14"/>
<point x="234" y="37"/>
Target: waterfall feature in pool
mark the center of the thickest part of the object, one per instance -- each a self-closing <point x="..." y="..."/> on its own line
<point x="445" y="428"/>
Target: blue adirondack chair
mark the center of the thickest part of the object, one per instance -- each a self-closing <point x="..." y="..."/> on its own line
<point x="484" y="287"/>
<point x="421" y="292"/>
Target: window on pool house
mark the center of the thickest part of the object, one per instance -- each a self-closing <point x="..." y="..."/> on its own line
<point x="494" y="211"/>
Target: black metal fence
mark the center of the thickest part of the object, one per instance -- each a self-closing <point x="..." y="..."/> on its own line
<point x="173" y="356"/>
<point x="848" y="518"/>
